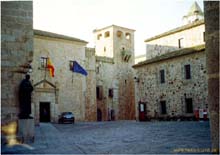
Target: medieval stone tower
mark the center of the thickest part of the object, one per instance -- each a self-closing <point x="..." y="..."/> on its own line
<point x="115" y="83"/>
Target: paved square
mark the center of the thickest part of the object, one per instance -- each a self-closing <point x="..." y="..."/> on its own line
<point x="127" y="137"/>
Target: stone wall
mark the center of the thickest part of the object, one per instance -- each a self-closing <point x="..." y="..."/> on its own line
<point x="91" y="106"/>
<point x="212" y="58"/>
<point x="124" y="73"/>
<point x="192" y="35"/>
<point x="70" y="94"/>
<point x="176" y="88"/>
<point x="115" y="57"/>
<point x="16" y="53"/>
<point x="103" y="49"/>
<point x="105" y="79"/>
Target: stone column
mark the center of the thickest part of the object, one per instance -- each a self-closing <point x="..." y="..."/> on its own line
<point x="16" y="53"/>
<point x="211" y="10"/>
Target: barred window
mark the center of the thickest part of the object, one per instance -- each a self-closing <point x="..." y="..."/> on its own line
<point x="43" y="62"/>
<point x="187" y="72"/>
<point x="162" y="76"/>
<point x="110" y="92"/>
<point x="99" y="92"/>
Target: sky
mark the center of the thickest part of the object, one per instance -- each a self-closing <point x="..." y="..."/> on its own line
<point x="78" y="18"/>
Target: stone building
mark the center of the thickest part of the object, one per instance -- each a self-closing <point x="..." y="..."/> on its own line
<point x="106" y="93"/>
<point x="16" y="53"/>
<point x="67" y="90"/>
<point x="173" y="79"/>
<point x="114" y="73"/>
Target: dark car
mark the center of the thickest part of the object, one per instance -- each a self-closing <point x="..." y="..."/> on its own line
<point x="67" y="117"/>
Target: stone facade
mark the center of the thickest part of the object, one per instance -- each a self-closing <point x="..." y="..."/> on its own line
<point x="66" y="91"/>
<point x="172" y="82"/>
<point x="16" y="53"/>
<point x="114" y="73"/>
<point x="91" y="106"/>
<point x="182" y="37"/>
<point x="176" y="88"/>
<point x="212" y="57"/>
<point x="192" y="33"/>
<point x="110" y="71"/>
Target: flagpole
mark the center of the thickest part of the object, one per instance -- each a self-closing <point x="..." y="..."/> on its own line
<point x="45" y="69"/>
<point x="72" y="77"/>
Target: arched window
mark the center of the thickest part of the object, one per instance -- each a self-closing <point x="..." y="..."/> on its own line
<point x="128" y="36"/>
<point x="99" y="36"/>
<point x="107" y="34"/>
<point x="119" y="34"/>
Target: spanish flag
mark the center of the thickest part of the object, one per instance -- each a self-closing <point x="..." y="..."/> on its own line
<point x="50" y="67"/>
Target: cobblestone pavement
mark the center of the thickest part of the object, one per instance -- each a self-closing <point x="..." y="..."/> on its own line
<point x="127" y="137"/>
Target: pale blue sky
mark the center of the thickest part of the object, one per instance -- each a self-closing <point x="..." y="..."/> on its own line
<point x="78" y="18"/>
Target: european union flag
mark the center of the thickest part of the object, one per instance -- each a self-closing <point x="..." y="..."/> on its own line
<point x="79" y="69"/>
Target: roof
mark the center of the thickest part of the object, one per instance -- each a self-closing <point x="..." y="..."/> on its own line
<point x="96" y="30"/>
<point x="174" y="54"/>
<point x="178" y="29"/>
<point x="195" y="9"/>
<point x="58" y="36"/>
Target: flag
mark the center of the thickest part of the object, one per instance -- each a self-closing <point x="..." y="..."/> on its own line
<point x="50" y="67"/>
<point x="79" y="69"/>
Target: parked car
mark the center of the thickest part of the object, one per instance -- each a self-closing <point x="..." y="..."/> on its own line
<point x="66" y="117"/>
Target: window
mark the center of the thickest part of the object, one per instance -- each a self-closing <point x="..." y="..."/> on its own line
<point x="180" y="42"/>
<point x="189" y="105"/>
<point x="128" y="36"/>
<point x="187" y="72"/>
<point x="107" y="34"/>
<point x="99" y="36"/>
<point x="97" y="69"/>
<point x="110" y="92"/>
<point x="119" y="34"/>
<point x="104" y="49"/>
<point x="163" y="107"/>
<point x="43" y="62"/>
<point x="99" y="92"/>
<point x="162" y="76"/>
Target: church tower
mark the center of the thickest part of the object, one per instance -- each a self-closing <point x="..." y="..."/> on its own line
<point x="194" y="14"/>
<point x="115" y="44"/>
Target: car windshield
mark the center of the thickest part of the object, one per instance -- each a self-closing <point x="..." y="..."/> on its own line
<point x="67" y="113"/>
